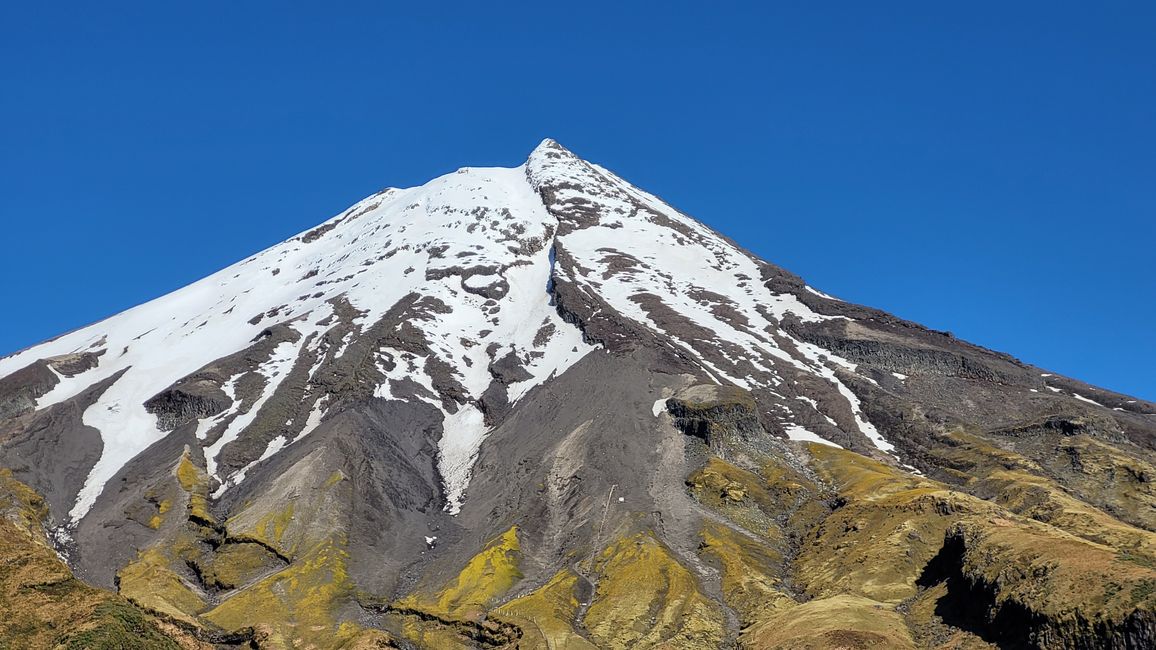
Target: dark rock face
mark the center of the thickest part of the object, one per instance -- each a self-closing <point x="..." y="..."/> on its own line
<point x="19" y="390"/>
<point x="977" y="602"/>
<point x="910" y="350"/>
<point x="193" y="400"/>
<point x="590" y="313"/>
<point x="714" y="413"/>
<point x="71" y="365"/>
<point x="1066" y="425"/>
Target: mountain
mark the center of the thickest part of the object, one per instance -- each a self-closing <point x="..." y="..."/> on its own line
<point x="540" y="408"/>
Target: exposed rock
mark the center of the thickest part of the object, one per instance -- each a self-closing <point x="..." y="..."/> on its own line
<point x="715" y="412"/>
<point x="19" y="390"/>
<point x="1028" y="587"/>
<point x="71" y="365"/>
<point x="192" y="400"/>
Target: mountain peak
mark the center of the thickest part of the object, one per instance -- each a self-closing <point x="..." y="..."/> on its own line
<point x="556" y="361"/>
<point x="550" y="146"/>
<point x="550" y="159"/>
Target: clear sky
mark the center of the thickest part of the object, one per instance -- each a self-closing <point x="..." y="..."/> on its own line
<point x="987" y="168"/>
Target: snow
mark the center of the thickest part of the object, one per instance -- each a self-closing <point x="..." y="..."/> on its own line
<point x="865" y="426"/>
<point x="480" y="281"/>
<point x="1089" y="401"/>
<point x="899" y="376"/>
<point x="373" y="254"/>
<point x="462" y="435"/>
<point x="815" y="405"/>
<point x="366" y="257"/>
<point x="66" y="388"/>
<point x="275" y="445"/>
<point x="813" y="353"/>
<point x="810" y="400"/>
<point x="796" y="432"/>
<point x="313" y="420"/>
<point x="406" y="365"/>
<point x="443" y="218"/>
<point x="820" y="293"/>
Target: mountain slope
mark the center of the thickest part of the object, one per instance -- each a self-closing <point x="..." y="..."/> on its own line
<point x="539" y="406"/>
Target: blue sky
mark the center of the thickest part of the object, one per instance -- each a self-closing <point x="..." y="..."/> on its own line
<point x="985" y="168"/>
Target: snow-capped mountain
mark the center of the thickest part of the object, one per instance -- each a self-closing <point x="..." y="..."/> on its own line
<point x="465" y="260"/>
<point x="469" y="260"/>
<point x="560" y="376"/>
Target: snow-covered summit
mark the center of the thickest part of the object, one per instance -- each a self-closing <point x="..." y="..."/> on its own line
<point x="454" y="283"/>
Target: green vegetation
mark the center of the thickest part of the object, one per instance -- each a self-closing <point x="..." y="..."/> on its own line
<point x="298" y="604"/>
<point x="120" y="626"/>
<point x="748" y="571"/>
<point x="887" y="527"/>
<point x="43" y="606"/>
<point x="837" y="622"/>
<point x="645" y="599"/>
<point x="546" y="615"/>
<point x="152" y="583"/>
<point x="485" y="578"/>
<point x="237" y="564"/>
<point x="195" y="482"/>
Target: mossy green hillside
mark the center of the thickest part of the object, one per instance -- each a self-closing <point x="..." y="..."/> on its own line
<point x="195" y="481"/>
<point x="298" y="606"/>
<point x="749" y="573"/>
<point x="839" y="622"/>
<point x="480" y="584"/>
<point x="644" y="598"/>
<point x="886" y="526"/>
<point x="43" y="606"/>
<point x="546" y="616"/>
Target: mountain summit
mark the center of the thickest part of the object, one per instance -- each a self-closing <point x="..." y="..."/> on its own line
<point x="539" y="407"/>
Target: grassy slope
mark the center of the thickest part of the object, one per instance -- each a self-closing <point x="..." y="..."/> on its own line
<point x="43" y="606"/>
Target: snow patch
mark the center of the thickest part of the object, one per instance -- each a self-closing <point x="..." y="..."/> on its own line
<point x="796" y="432"/>
<point x="481" y="281"/>
<point x="820" y="293"/>
<point x="689" y="270"/>
<point x="815" y="405"/>
<point x="462" y="435"/>
<point x="1089" y="401"/>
